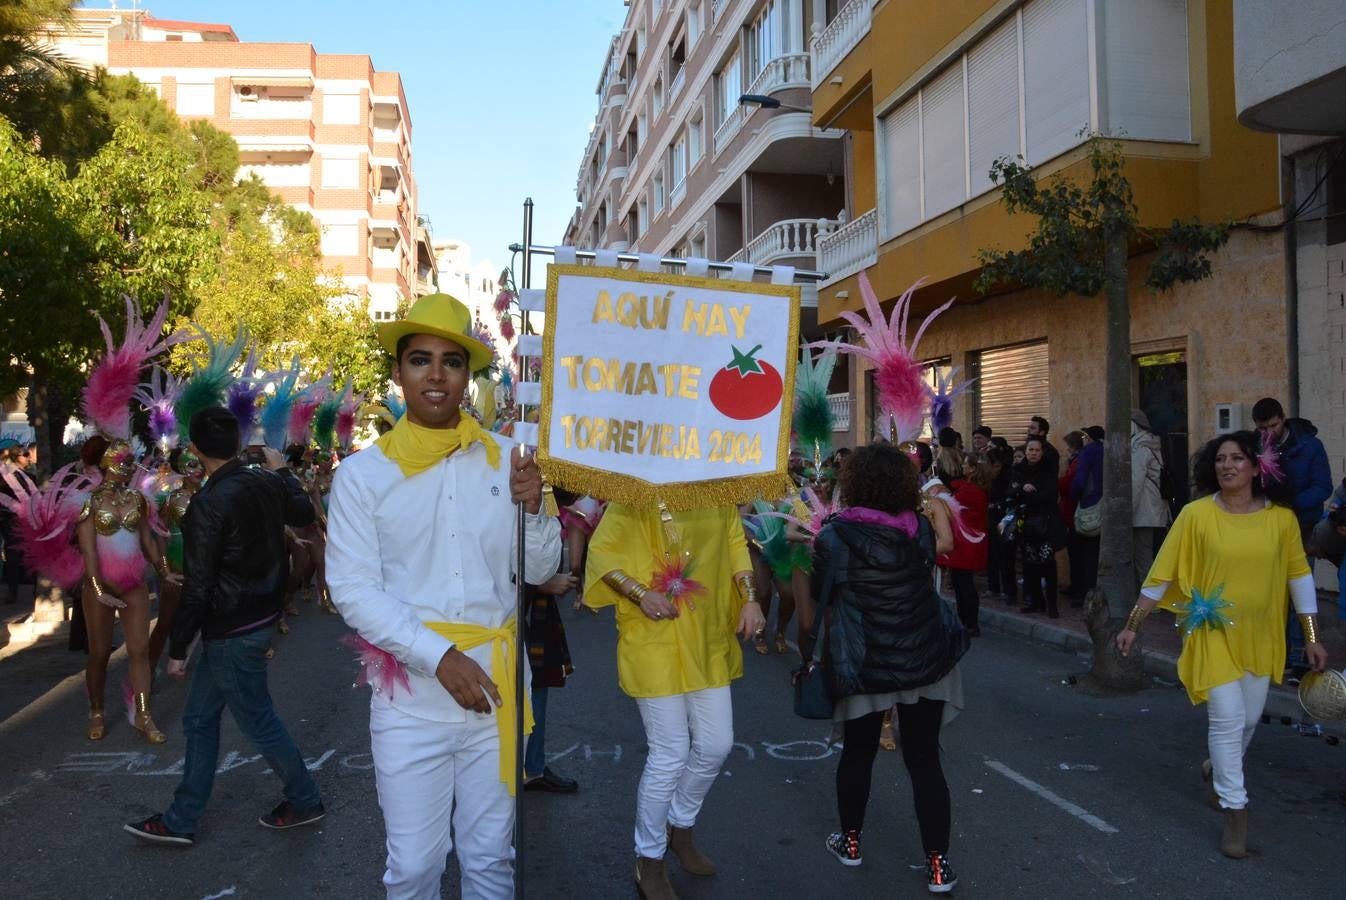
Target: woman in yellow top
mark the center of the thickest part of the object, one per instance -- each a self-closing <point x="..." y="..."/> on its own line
<point x="676" y="654"/>
<point x="1224" y="570"/>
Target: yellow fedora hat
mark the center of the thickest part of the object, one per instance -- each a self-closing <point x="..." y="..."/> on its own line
<point x="442" y="316"/>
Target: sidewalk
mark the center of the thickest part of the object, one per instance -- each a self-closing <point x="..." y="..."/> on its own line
<point x="1161" y="644"/>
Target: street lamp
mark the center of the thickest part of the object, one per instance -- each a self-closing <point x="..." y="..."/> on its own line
<point x="765" y="102"/>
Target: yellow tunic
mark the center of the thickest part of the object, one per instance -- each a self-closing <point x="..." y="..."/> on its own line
<point x="1252" y="557"/>
<point x="698" y="649"/>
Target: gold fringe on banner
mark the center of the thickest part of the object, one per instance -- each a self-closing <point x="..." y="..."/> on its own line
<point x="679" y="496"/>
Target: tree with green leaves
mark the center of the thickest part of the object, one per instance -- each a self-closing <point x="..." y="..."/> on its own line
<point x="1080" y="247"/>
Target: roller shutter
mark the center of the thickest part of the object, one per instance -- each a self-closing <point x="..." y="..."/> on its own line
<point x="1011" y="387"/>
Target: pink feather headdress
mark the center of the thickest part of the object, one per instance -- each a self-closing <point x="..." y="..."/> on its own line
<point x="903" y="392"/>
<point x="347" y="415"/>
<point x="107" y="397"/>
<point x="45" y="523"/>
<point x="1269" y="461"/>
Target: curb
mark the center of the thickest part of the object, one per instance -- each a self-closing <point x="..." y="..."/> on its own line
<point x="1282" y="702"/>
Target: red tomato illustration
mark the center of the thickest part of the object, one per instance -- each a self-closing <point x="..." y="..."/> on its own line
<point x="747" y="388"/>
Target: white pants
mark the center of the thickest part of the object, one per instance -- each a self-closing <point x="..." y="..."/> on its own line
<point x="1234" y="709"/>
<point x="690" y="735"/>
<point x="437" y="781"/>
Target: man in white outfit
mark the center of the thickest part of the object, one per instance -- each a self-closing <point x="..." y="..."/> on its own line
<point x="420" y="557"/>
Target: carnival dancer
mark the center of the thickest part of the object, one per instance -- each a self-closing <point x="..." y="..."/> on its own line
<point x="420" y="564"/>
<point x="682" y="584"/>
<point x="187" y="466"/>
<point x="113" y="531"/>
<point x="1224" y="570"/>
<point x="789" y="564"/>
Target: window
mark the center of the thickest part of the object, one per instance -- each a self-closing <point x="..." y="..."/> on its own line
<point x="1011" y="386"/>
<point x="678" y="160"/>
<point x="341" y="240"/>
<point x="642" y="217"/>
<point x="695" y="140"/>
<point x="942" y="119"/>
<point x="1147" y="92"/>
<point x="658" y="193"/>
<point x="340" y="173"/>
<point x="993" y="102"/>
<point x="698" y="248"/>
<point x="1056" y="76"/>
<point x="693" y="23"/>
<point x="341" y="109"/>
<point x="657" y="96"/>
<point x="196" y="99"/>
<point x="770" y="35"/>
<point x="728" y="88"/>
<point x="641" y="127"/>
<point x="902" y="168"/>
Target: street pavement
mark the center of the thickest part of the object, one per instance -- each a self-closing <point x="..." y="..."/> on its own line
<point x="1055" y="793"/>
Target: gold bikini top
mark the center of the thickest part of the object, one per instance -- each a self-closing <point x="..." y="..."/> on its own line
<point x="106" y="521"/>
<point x="175" y="508"/>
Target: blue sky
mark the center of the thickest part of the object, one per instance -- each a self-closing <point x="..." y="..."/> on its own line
<point x="501" y="94"/>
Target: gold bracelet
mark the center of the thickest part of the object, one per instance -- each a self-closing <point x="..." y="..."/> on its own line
<point x="1133" y="621"/>
<point x="747" y="587"/>
<point x="1309" y="622"/>
<point x="97" y="588"/>
<point x="164" y="570"/>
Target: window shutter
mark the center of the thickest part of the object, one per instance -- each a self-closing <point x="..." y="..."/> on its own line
<point x="1056" y="76"/>
<point x="1145" y="61"/>
<point x="1011" y="387"/>
<point x="993" y="102"/>
<point x="901" y="169"/>
<point x="942" y="142"/>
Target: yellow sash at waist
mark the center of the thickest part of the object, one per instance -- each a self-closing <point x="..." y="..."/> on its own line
<point x="502" y="640"/>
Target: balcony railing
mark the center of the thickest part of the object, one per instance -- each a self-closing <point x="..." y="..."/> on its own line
<point x="841" y="411"/>
<point x="791" y="237"/>
<point x="791" y="70"/>
<point x="831" y="45"/>
<point x="849" y="248"/>
<point x="728" y="128"/>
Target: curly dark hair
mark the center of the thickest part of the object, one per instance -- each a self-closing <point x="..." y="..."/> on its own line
<point x="1250" y="444"/>
<point x="881" y="477"/>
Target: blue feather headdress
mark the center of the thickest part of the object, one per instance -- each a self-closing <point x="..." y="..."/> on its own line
<point x="275" y="418"/>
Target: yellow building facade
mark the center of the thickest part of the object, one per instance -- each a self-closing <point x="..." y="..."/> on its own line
<point x="930" y="92"/>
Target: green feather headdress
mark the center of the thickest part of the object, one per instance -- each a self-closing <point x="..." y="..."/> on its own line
<point x="206" y="386"/>
<point x="813" y="419"/>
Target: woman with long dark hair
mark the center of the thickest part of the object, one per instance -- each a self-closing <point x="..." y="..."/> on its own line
<point x="890" y="640"/>
<point x="1224" y="569"/>
<point x="1034" y="485"/>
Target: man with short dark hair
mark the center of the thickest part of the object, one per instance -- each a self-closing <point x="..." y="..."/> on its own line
<point x="1039" y="427"/>
<point x="981" y="439"/>
<point x="235" y="566"/>
<point x="1302" y="457"/>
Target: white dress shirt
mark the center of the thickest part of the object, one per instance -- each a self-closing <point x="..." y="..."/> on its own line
<point x="435" y="547"/>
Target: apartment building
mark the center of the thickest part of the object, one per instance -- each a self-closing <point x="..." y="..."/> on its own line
<point x="327" y="132"/>
<point x="476" y="284"/>
<point x="1290" y="78"/>
<point x="676" y="164"/>
<point x="930" y="92"/>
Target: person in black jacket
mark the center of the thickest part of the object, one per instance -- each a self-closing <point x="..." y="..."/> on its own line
<point x="1034" y="484"/>
<point x="890" y="640"/>
<point x="235" y="566"/>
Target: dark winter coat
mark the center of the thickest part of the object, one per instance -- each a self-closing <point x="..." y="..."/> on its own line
<point x="888" y="629"/>
<point x="1306" y="467"/>
<point x="1086" y="488"/>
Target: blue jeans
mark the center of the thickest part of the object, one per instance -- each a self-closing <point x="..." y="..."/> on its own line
<point x="232" y="672"/>
<point x="535" y="756"/>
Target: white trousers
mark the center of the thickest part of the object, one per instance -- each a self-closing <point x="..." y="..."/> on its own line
<point x="689" y="735"/>
<point x="1234" y="709"/>
<point x="438" y="781"/>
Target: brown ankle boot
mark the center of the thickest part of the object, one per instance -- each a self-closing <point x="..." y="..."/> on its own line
<point x="692" y="860"/>
<point x="652" y="879"/>
<point x="1234" y="841"/>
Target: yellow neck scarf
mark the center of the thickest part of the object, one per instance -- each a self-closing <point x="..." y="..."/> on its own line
<point x="503" y="648"/>
<point x="416" y="448"/>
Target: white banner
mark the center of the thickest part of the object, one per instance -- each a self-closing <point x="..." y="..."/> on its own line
<point x="667" y="387"/>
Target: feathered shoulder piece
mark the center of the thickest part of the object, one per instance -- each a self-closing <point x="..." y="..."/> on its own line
<point x="903" y="392"/>
<point x="813" y="419"/>
<point x="158" y="396"/>
<point x="207" y="384"/>
<point x="106" y="400"/>
<point x="44" y="523"/>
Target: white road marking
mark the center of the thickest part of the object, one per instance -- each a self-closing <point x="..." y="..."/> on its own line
<point x="1054" y="799"/>
<point x="227" y="892"/>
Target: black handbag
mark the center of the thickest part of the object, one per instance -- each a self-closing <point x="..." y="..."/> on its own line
<point x="813" y="695"/>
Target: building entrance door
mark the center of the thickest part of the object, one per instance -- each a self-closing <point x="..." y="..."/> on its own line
<point x="1161" y="393"/>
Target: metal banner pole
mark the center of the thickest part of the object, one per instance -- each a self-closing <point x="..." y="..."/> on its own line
<point x="715" y="265"/>
<point x="521" y="598"/>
